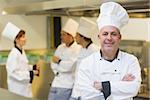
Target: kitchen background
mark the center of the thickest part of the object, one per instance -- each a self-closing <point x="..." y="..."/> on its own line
<point x="42" y="21"/>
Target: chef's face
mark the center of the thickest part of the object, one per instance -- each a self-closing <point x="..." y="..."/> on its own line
<point x="78" y="38"/>
<point x="109" y="38"/>
<point x="65" y="37"/>
<point x="21" y="39"/>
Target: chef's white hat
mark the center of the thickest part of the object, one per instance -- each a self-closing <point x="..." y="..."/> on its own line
<point x="113" y="14"/>
<point x="10" y="31"/>
<point x="86" y="27"/>
<point x="71" y="27"/>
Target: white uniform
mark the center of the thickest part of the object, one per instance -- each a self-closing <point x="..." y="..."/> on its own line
<point x="18" y="75"/>
<point x="85" y="52"/>
<point x="64" y="79"/>
<point x="68" y="56"/>
<point x="95" y="68"/>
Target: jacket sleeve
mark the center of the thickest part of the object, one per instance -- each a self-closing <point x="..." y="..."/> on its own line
<point x="54" y="67"/>
<point x="126" y="89"/>
<point x="14" y="69"/>
<point x="65" y="65"/>
<point x="84" y="81"/>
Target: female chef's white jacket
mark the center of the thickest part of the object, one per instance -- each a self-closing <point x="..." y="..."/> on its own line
<point x="85" y="52"/>
<point x="95" y="68"/>
<point x="18" y="76"/>
<point x="63" y="71"/>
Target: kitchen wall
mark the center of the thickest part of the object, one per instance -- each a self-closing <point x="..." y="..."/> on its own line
<point x="137" y="29"/>
<point x="35" y="27"/>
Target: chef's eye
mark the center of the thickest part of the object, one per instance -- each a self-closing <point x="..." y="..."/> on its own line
<point x="114" y="33"/>
<point x="105" y="33"/>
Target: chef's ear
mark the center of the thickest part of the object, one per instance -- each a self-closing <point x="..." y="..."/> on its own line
<point x="14" y="42"/>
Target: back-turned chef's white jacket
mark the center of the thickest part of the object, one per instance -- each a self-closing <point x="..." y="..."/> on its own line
<point x="85" y="52"/>
<point x="95" y="68"/>
<point x="63" y="71"/>
<point x="18" y="76"/>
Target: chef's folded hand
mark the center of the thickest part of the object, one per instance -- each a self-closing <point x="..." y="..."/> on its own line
<point x="97" y="85"/>
<point x="55" y="59"/>
<point x="128" y="77"/>
<point x="36" y="72"/>
<point x="36" y="67"/>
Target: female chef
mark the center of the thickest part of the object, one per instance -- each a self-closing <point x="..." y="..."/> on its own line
<point x="19" y="73"/>
<point x="85" y="34"/>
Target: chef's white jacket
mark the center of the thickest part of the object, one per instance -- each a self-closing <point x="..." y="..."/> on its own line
<point x="95" y="68"/>
<point x="63" y="71"/>
<point x="85" y="52"/>
<point x="18" y="75"/>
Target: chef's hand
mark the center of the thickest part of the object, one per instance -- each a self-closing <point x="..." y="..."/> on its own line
<point x="55" y="59"/>
<point x="128" y="77"/>
<point x="36" y="67"/>
<point x="97" y="85"/>
<point x="36" y="72"/>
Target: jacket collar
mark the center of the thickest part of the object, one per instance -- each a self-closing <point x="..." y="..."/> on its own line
<point x="89" y="44"/>
<point x="117" y="56"/>
<point x="20" y="50"/>
<point x="71" y="43"/>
